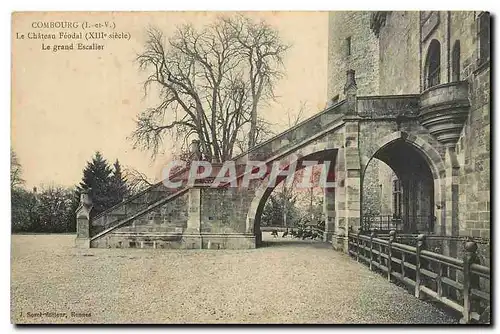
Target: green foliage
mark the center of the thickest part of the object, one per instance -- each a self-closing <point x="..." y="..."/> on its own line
<point x="280" y="207"/>
<point x="23" y="205"/>
<point x="106" y="187"/>
<point x="49" y="211"/>
<point x="97" y="181"/>
<point x="53" y="209"/>
<point x="273" y="213"/>
<point x="119" y="187"/>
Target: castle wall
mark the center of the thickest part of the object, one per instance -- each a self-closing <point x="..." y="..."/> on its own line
<point x="401" y="36"/>
<point x="364" y="53"/>
<point x="399" y="65"/>
<point x="474" y="147"/>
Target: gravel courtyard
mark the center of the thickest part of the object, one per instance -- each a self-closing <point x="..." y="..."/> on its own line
<point x="285" y="282"/>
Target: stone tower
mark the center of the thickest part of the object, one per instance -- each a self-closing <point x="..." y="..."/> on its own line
<point x="351" y="46"/>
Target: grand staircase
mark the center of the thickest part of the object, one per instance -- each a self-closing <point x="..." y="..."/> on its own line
<point x="139" y="205"/>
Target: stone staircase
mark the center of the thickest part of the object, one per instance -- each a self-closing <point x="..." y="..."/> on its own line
<point x="153" y="198"/>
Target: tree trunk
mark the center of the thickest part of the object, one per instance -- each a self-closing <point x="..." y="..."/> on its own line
<point x="284" y="217"/>
<point x="253" y="126"/>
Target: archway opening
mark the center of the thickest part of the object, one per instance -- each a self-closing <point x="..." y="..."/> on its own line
<point x="398" y="190"/>
<point x="299" y="207"/>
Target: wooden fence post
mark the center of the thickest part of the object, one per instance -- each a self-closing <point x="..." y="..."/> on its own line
<point x="418" y="276"/>
<point x="392" y="237"/>
<point x="357" y="244"/>
<point x="439" y="279"/>
<point x="380" y="254"/>
<point x="469" y="258"/>
<point x="372" y="235"/>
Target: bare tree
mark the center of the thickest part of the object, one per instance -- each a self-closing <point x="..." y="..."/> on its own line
<point x="263" y="51"/>
<point x="16" y="179"/>
<point x="210" y="83"/>
<point x="136" y="181"/>
<point x="263" y="131"/>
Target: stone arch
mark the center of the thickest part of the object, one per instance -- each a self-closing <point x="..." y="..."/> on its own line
<point x="432" y="156"/>
<point x="428" y="152"/>
<point x="262" y="192"/>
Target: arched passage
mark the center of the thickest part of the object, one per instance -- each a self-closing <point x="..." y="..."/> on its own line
<point x="325" y="157"/>
<point x="414" y="184"/>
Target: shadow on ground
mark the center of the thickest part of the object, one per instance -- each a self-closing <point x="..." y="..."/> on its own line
<point x="293" y="242"/>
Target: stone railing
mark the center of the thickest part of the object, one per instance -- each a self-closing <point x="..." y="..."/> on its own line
<point x="388" y="106"/>
<point x="131" y="205"/>
<point x="101" y="230"/>
<point x="461" y="284"/>
<point x="294" y="135"/>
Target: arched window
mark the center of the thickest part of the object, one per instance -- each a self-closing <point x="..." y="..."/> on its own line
<point x="455" y="62"/>
<point x="484" y="37"/>
<point x="433" y="64"/>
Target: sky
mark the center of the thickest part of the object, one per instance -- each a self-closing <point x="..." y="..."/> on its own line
<point x="68" y="104"/>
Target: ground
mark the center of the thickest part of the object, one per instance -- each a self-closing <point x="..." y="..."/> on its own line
<point x="285" y="282"/>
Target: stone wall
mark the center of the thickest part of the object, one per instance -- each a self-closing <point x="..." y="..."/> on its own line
<point x="377" y="189"/>
<point x="463" y="28"/>
<point x="399" y="65"/>
<point x="364" y="53"/>
<point x="160" y="228"/>
<point x="474" y="148"/>
<point x="217" y="217"/>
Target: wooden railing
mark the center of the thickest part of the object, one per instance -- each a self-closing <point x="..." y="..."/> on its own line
<point x="462" y="284"/>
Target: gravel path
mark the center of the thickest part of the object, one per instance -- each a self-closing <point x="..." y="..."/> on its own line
<point x="287" y="282"/>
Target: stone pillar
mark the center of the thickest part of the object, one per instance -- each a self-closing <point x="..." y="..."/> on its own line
<point x="452" y="207"/>
<point x="353" y="177"/>
<point x="352" y="156"/>
<point x="329" y="213"/>
<point x="340" y="233"/>
<point x="83" y="221"/>
<point x="348" y="194"/>
<point x="192" y="235"/>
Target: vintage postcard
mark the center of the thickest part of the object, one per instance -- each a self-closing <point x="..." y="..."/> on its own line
<point x="251" y="167"/>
